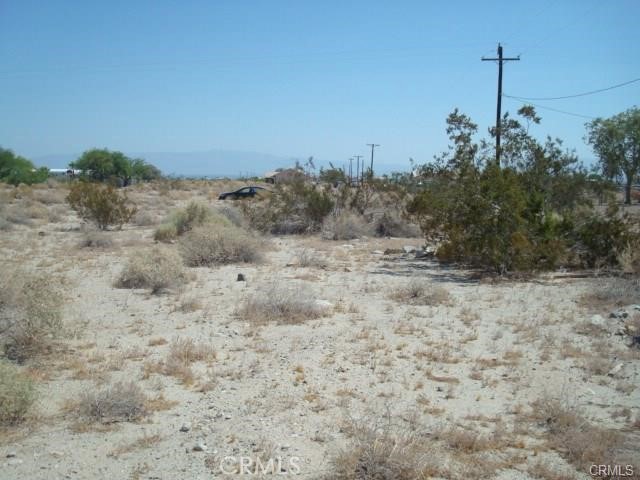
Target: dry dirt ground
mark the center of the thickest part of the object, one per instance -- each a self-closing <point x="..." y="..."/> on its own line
<point x="490" y="379"/>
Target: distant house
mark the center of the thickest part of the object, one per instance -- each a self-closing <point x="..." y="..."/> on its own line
<point x="64" y="172"/>
<point x="284" y="175"/>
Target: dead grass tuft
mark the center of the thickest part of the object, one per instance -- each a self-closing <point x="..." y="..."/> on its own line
<point x="280" y="306"/>
<point x="421" y="292"/>
<point x="17" y="394"/>
<point x="30" y="313"/>
<point x="157" y="269"/>
<point x="214" y="245"/>
<point x="120" y="402"/>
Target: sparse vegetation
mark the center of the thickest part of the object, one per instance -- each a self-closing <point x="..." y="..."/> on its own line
<point x="30" y="313"/>
<point x="216" y="245"/>
<point x="17" y="394"/>
<point x="157" y="269"/>
<point x="280" y="306"/>
<point x="120" y="402"/>
<point x="420" y="292"/>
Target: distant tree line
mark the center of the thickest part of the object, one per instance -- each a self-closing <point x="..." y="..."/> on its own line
<point x="101" y="165"/>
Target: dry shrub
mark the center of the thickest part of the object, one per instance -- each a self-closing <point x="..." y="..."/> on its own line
<point x="157" y="269"/>
<point x="214" y="245"/>
<point x="49" y="196"/>
<point x="182" y="353"/>
<point x="345" y="226"/>
<point x="101" y="204"/>
<point x="383" y="451"/>
<point x="5" y="225"/>
<point x="574" y="437"/>
<point x="186" y="219"/>
<point x="310" y="259"/>
<point x="120" y="402"/>
<point x="233" y="214"/>
<point x="613" y="292"/>
<point x="144" y="219"/>
<point x="280" y="306"/>
<point x="96" y="239"/>
<point x="629" y="259"/>
<point x="30" y="313"/>
<point x="421" y="292"/>
<point x="391" y="224"/>
<point x="17" y="394"/>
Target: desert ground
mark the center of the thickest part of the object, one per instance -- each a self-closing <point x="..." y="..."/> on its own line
<point x="393" y="364"/>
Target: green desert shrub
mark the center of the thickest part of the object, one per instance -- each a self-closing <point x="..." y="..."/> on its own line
<point x="100" y="204"/>
<point x="215" y="245"/>
<point x="157" y="269"/>
<point x="30" y="313"/>
<point x="17" y="394"/>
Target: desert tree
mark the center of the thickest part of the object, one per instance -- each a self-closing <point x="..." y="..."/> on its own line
<point x="616" y="141"/>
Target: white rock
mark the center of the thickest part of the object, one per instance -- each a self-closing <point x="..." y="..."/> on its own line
<point x="615" y="370"/>
<point x="598" y="320"/>
<point x="409" y="248"/>
<point x="200" y="447"/>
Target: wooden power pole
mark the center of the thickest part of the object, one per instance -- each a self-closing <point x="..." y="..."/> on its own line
<point x="500" y="61"/>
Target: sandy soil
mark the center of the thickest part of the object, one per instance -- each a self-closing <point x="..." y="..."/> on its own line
<point x="474" y="361"/>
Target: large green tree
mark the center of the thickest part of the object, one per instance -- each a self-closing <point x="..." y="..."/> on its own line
<point x="106" y="165"/>
<point x="15" y="169"/>
<point x="616" y="141"/>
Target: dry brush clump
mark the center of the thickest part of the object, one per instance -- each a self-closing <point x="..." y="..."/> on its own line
<point x="120" y="402"/>
<point x="573" y="436"/>
<point x="217" y="245"/>
<point x="382" y="450"/>
<point x="345" y="226"/>
<point x="30" y="313"/>
<point x="101" y="204"/>
<point x="186" y="219"/>
<point x="420" y="292"/>
<point x="158" y="269"/>
<point x="613" y="292"/>
<point x="17" y="394"/>
<point x="281" y="306"/>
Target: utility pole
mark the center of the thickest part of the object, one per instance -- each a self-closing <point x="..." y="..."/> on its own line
<point x="372" y="145"/>
<point x="360" y="172"/>
<point x="350" y="171"/>
<point x="500" y="61"/>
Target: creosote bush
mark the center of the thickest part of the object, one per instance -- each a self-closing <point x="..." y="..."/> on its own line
<point x="345" y="226"/>
<point x="30" y="313"/>
<point x="17" y="394"/>
<point x="524" y="215"/>
<point x="216" y="245"/>
<point x="101" y="204"/>
<point x="157" y="269"/>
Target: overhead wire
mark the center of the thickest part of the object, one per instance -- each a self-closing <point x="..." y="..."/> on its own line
<point x="584" y="94"/>
<point x="526" y="102"/>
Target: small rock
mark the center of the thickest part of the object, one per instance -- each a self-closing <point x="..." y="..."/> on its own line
<point x="409" y="248"/>
<point x="241" y="278"/>
<point x="619" y="314"/>
<point x="200" y="447"/>
<point x="377" y="252"/>
<point x="56" y="453"/>
<point x="598" y="321"/>
<point x="185" y="428"/>
<point x="11" y="454"/>
<point x="324" y="304"/>
<point x="615" y="370"/>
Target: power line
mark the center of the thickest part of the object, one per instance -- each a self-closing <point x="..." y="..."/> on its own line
<point x="592" y="92"/>
<point x="526" y="102"/>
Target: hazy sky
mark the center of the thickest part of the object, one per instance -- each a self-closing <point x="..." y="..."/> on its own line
<point x="301" y="78"/>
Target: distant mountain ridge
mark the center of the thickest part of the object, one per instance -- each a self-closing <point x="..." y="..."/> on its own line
<point x="211" y="163"/>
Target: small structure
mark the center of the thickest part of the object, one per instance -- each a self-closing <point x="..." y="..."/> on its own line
<point x="284" y="175"/>
<point x="64" y="172"/>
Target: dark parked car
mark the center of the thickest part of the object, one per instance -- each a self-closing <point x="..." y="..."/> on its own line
<point x="244" y="192"/>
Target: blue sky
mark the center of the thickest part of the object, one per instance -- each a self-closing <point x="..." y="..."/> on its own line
<point x="301" y="78"/>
